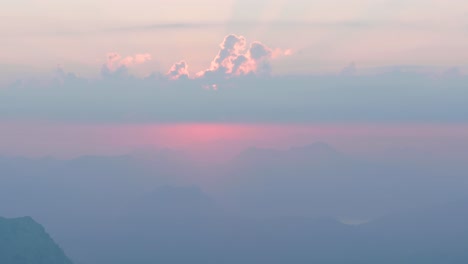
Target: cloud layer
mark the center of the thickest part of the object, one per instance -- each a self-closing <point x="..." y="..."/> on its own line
<point x="241" y="88"/>
<point x="387" y="97"/>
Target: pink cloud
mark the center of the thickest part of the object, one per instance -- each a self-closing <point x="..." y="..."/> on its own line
<point x="178" y="70"/>
<point x="280" y="53"/>
<point x="115" y="60"/>
<point x="235" y="58"/>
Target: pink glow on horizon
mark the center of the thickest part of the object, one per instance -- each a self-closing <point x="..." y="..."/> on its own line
<point x="212" y="141"/>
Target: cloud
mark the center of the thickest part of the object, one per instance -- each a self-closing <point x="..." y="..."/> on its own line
<point x="243" y="25"/>
<point x="383" y="97"/>
<point x="115" y="61"/>
<point x="238" y="87"/>
<point x="178" y="70"/>
<point x="117" y="66"/>
<point x="235" y="58"/>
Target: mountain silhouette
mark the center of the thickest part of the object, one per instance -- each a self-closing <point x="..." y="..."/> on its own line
<point x="24" y="241"/>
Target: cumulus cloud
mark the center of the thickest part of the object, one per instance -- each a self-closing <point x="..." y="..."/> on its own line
<point x="116" y="61"/>
<point x="236" y="58"/>
<point x="178" y="70"/>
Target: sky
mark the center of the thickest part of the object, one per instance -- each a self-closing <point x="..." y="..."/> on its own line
<point x="226" y="64"/>
<point x="325" y="36"/>
<point x="125" y="125"/>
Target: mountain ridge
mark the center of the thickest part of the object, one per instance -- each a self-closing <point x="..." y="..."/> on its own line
<point x="24" y="241"/>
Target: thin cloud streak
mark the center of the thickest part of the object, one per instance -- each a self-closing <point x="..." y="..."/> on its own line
<point x="349" y="24"/>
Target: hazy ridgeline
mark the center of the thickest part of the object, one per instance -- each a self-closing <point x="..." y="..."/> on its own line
<point x="299" y="205"/>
